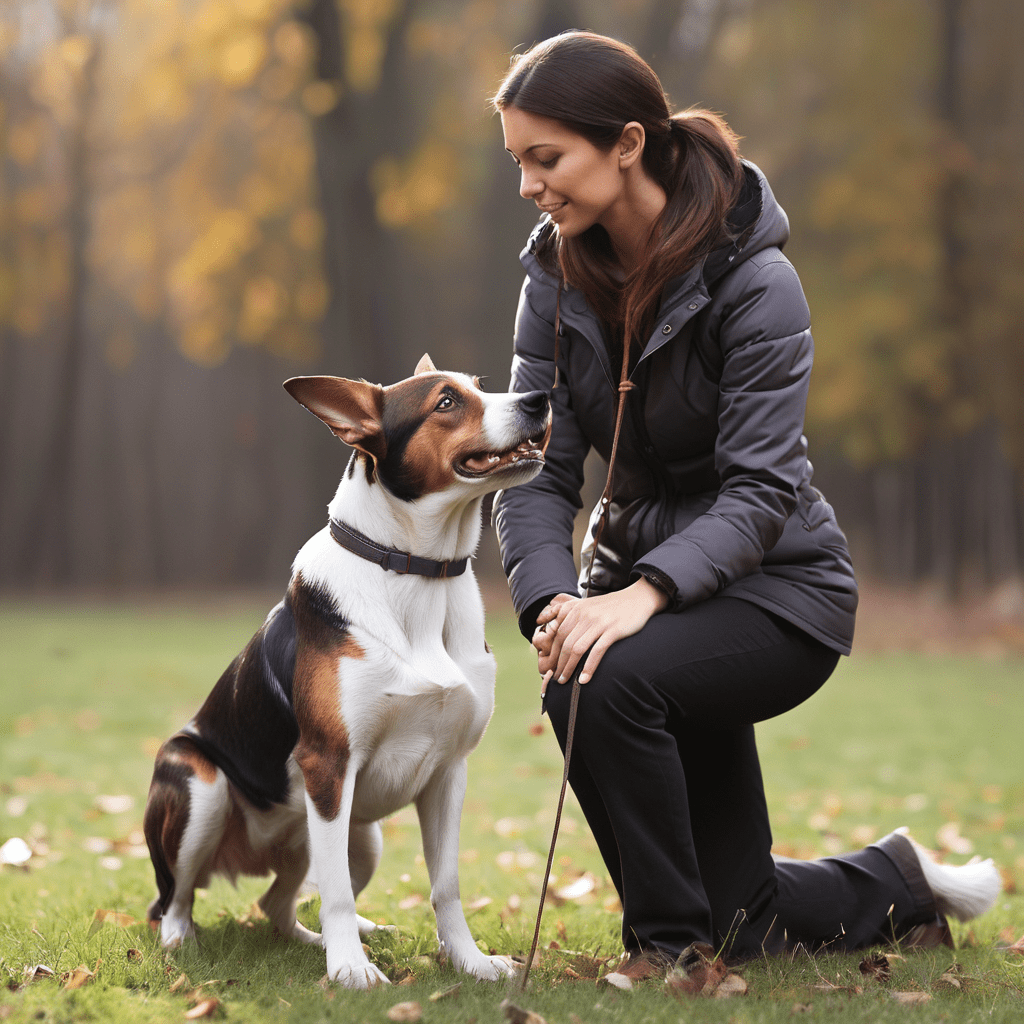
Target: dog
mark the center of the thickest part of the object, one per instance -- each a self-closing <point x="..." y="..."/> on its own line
<point x="366" y="688"/>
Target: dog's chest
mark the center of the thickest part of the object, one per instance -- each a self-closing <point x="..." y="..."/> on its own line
<point x="408" y="720"/>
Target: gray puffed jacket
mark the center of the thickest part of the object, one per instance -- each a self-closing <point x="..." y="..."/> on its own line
<point x="712" y="490"/>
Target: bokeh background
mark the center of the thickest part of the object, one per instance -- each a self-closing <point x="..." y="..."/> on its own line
<point x="201" y="198"/>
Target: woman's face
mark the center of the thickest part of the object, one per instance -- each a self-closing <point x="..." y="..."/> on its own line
<point x="564" y="174"/>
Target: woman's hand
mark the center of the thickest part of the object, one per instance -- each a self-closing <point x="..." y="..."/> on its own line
<point x="568" y="627"/>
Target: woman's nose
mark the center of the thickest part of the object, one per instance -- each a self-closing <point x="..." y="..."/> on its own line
<point x="530" y="186"/>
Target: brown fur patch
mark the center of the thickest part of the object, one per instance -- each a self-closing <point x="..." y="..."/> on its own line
<point x="322" y="751"/>
<point x="431" y="451"/>
<point x="203" y="768"/>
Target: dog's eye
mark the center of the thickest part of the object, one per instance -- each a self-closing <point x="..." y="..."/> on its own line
<point x="446" y="402"/>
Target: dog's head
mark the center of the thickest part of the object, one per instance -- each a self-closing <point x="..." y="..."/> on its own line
<point x="433" y="431"/>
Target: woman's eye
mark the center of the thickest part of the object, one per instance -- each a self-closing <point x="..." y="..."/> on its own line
<point x="445" y="403"/>
<point x="548" y="164"/>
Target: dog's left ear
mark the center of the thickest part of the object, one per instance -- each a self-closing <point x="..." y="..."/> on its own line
<point x="351" y="408"/>
<point x="425" y="365"/>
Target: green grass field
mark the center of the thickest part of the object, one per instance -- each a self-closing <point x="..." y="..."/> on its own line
<point x="89" y="691"/>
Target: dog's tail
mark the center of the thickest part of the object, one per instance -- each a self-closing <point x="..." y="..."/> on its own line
<point x="163" y="825"/>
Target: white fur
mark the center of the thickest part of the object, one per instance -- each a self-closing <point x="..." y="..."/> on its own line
<point x="413" y="706"/>
<point x="962" y="891"/>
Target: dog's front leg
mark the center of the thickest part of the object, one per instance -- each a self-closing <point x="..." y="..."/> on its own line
<point x="347" y="963"/>
<point x="439" y="807"/>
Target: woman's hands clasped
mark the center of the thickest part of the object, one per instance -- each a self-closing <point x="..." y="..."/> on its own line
<point x="568" y="627"/>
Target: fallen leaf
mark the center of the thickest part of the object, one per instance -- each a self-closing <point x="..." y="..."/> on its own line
<point x="204" y="1008"/>
<point x="582" y="886"/>
<point x="101" y="917"/>
<point x="134" y="955"/>
<point x="802" y="1008"/>
<point x="179" y="983"/>
<point x="876" y="966"/>
<point x="731" y="985"/>
<point x="405" y="1013"/>
<point x="80" y="976"/>
<point x="478" y="904"/>
<point x="948" y="837"/>
<point x="15" y="852"/>
<point x="911" y="998"/>
<point x="1017" y="947"/>
<point x="585" y="966"/>
<point x="616" y="980"/>
<point x="446" y="993"/>
<point x="537" y="729"/>
<point x="517" y="1015"/>
<point x="410" y="901"/>
<point x="114" y="804"/>
<point x="613" y="905"/>
<point x="38" y="973"/>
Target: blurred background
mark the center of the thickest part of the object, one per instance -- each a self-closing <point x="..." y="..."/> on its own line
<point x="201" y="198"/>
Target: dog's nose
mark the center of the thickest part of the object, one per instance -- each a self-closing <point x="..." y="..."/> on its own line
<point x="534" y="403"/>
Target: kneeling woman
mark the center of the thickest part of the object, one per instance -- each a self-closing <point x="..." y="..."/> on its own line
<point x="722" y="592"/>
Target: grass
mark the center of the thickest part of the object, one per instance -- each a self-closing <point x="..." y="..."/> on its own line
<point x="90" y="690"/>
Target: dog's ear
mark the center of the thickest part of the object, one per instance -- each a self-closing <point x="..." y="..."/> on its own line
<point x="351" y="408"/>
<point x="425" y="365"/>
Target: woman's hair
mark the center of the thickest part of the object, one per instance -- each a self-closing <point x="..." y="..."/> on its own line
<point x="595" y="86"/>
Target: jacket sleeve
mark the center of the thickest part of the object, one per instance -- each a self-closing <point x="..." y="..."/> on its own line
<point x="760" y="452"/>
<point x="534" y="521"/>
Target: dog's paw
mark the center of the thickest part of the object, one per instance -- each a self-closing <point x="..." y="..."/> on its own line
<point x="367" y="927"/>
<point x="488" y="968"/>
<point x="175" y="931"/>
<point x="360" y="974"/>
<point x="303" y="934"/>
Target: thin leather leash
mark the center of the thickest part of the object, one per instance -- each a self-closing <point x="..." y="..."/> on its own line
<point x="625" y="386"/>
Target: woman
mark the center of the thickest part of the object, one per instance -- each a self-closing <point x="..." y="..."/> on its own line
<point x="721" y="590"/>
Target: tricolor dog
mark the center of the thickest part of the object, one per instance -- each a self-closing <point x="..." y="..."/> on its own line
<point x="366" y="687"/>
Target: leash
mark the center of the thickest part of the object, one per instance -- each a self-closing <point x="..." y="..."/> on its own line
<point x="625" y="386"/>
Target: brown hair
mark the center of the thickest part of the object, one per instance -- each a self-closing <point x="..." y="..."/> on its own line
<point x="595" y="86"/>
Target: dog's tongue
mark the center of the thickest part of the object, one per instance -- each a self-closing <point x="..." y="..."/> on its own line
<point x="481" y="463"/>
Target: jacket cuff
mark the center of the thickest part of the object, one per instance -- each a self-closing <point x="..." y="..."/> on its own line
<point x="658" y="579"/>
<point x="528" y="619"/>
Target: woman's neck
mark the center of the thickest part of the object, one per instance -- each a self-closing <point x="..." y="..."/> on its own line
<point x="629" y="221"/>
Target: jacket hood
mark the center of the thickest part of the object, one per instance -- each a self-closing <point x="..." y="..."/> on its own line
<point x="756" y="220"/>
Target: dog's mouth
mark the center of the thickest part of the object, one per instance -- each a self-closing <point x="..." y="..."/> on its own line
<point x="486" y="463"/>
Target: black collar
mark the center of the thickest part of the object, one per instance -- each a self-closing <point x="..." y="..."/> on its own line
<point x="390" y="558"/>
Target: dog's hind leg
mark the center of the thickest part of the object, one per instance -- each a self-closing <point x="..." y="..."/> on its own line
<point x="208" y="807"/>
<point x="365" y="844"/>
<point x="279" y="901"/>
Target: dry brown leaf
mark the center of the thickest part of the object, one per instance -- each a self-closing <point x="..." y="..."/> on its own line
<point x="911" y="998"/>
<point x="1017" y="948"/>
<point x="850" y="990"/>
<point x="802" y="1008"/>
<point x="537" y="729"/>
<point x="179" y="983"/>
<point x="584" y="966"/>
<point x="134" y="955"/>
<point x="616" y="980"/>
<point x="204" y="1008"/>
<point x="102" y="917"/>
<point x="582" y="886"/>
<point x="80" y="976"/>
<point x="517" y="1015"/>
<point x="38" y="973"/>
<point x="701" y="974"/>
<point x="410" y="901"/>
<point x="446" y="993"/>
<point x="731" y="985"/>
<point x="876" y="966"/>
<point x="405" y="1013"/>
<point x="478" y="904"/>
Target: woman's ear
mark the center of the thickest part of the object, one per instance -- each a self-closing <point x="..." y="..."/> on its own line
<point x="631" y="144"/>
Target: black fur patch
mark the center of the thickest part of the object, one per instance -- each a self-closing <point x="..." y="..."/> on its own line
<point x="247" y="726"/>
<point x="402" y="418"/>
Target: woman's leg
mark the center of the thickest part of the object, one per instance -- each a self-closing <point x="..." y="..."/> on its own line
<point x="666" y="771"/>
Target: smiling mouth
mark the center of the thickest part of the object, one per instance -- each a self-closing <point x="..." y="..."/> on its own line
<point x="551" y="208"/>
<point x="485" y="463"/>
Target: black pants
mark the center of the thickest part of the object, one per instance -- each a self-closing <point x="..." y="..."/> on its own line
<point x="665" y="768"/>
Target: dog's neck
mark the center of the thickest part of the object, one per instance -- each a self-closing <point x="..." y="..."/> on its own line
<point x="434" y="526"/>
